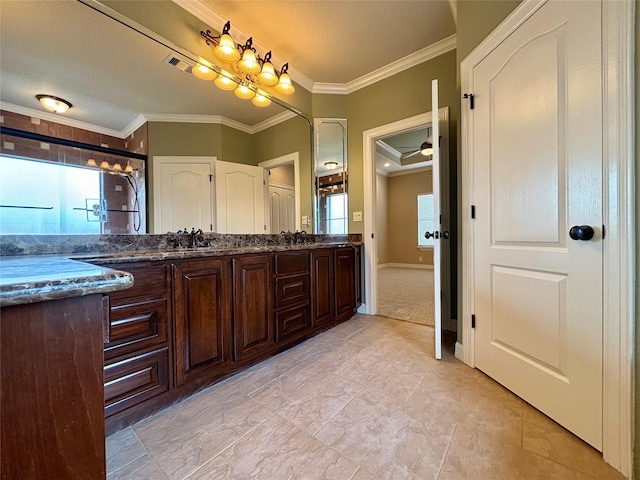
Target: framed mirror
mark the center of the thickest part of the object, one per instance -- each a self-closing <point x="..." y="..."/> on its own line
<point x="331" y="176"/>
<point x="123" y="79"/>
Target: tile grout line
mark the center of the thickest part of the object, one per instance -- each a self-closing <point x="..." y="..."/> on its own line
<point x="335" y="414"/>
<point x="149" y="453"/>
<point x="446" y="451"/>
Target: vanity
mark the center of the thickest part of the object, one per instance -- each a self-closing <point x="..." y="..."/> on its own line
<point x="101" y="331"/>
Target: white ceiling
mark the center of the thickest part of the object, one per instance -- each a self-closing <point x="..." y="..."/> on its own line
<point x="112" y="75"/>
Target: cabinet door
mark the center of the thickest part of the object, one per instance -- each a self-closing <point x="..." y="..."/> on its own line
<point x="323" y="312"/>
<point x="344" y="262"/>
<point x="254" y="325"/>
<point x="202" y="303"/>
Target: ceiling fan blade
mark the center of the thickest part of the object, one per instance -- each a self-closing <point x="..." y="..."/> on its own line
<point x="409" y="154"/>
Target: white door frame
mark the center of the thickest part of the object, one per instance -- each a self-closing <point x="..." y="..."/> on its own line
<point x="288" y="159"/>
<point x="156" y="162"/>
<point x="618" y="204"/>
<point x="369" y="171"/>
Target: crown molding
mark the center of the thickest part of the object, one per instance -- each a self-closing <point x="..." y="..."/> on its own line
<point x="388" y="152"/>
<point x="210" y="16"/>
<point x="221" y="120"/>
<point x="135" y="124"/>
<point x="416" y="58"/>
<point x="57" y="118"/>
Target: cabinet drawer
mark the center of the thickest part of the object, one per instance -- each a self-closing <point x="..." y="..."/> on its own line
<point x="149" y="280"/>
<point x="134" y="380"/>
<point x="136" y="326"/>
<point x="287" y="263"/>
<point x="292" y="323"/>
<point x="292" y="290"/>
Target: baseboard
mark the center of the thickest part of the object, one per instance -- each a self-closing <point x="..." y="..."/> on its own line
<point x="406" y="265"/>
<point x="459" y="352"/>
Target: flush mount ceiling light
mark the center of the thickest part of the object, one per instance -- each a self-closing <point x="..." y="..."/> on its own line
<point x="248" y="68"/>
<point x="331" y="165"/>
<point x="54" y="104"/>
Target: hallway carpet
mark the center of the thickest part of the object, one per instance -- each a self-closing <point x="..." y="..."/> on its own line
<point x="406" y="294"/>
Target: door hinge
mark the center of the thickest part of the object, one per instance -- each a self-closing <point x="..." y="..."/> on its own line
<point x="372" y="235"/>
<point x="210" y="177"/>
<point x="211" y="227"/>
<point x="470" y="97"/>
<point x="473" y="321"/>
<point x="439" y="219"/>
<point x="473" y="211"/>
<point x="604" y="232"/>
<point x="265" y="228"/>
<point x="264" y="182"/>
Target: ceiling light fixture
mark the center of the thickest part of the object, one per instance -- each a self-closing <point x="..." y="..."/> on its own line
<point x="427" y="147"/>
<point x="245" y="63"/>
<point x="54" y="104"/>
<point x="331" y="165"/>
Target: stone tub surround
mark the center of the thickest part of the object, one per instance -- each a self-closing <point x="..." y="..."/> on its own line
<point x="35" y="268"/>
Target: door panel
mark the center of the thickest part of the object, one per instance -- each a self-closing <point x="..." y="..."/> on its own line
<point x="239" y="198"/>
<point x="182" y="195"/>
<point x="537" y="146"/>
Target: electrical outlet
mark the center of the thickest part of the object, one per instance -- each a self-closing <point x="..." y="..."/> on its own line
<point x="419" y="259"/>
<point x="357" y="216"/>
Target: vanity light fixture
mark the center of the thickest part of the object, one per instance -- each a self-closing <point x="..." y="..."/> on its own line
<point x="116" y="169"/>
<point x="245" y="63"/>
<point x="260" y="100"/>
<point x="331" y="165"/>
<point x="54" y="104"/>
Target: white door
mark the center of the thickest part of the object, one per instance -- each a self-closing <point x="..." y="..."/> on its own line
<point x="239" y="198"/>
<point x="435" y="180"/>
<point x="282" y="207"/>
<point x="537" y="150"/>
<point x="182" y="194"/>
<point x="275" y="204"/>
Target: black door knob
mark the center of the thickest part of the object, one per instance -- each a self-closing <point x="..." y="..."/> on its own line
<point x="445" y="235"/>
<point x="428" y="235"/>
<point x="581" y="232"/>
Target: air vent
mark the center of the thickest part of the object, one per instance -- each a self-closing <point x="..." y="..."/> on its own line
<point x="178" y="63"/>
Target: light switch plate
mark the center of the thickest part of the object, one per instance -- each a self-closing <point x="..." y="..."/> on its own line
<point x="357" y="216"/>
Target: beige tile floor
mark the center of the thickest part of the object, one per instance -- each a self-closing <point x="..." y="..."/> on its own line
<point x="365" y="400"/>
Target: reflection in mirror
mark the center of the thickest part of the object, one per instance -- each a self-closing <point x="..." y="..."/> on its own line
<point x="121" y="83"/>
<point x="51" y="189"/>
<point x="331" y="177"/>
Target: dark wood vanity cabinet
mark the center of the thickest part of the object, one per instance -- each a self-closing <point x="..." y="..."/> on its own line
<point x="190" y="322"/>
<point x="253" y="325"/>
<point x="202" y="318"/>
<point x="322" y="288"/>
<point x="292" y="295"/>
<point x="137" y="350"/>
<point x="344" y="286"/>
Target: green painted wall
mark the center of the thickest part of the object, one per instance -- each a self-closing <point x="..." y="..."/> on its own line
<point x="237" y="147"/>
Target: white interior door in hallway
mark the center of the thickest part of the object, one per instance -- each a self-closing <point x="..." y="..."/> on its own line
<point x="182" y="192"/>
<point x="240" y="198"/>
<point x="282" y="203"/>
<point x="537" y="155"/>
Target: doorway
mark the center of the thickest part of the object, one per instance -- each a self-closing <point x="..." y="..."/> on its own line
<point x="286" y="191"/>
<point x="372" y="236"/>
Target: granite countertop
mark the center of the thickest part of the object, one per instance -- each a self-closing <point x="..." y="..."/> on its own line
<point x="31" y="279"/>
<point x="35" y="278"/>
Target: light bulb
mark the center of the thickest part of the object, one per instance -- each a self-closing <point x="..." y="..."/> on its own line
<point x="260" y="101"/>
<point x="225" y="83"/>
<point x="249" y="64"/>
<point x="268" y="75"/>
<point x="284" y="85"/>
<point x="226" y="49"/>
<point x="203" y="72"/>
<point x="244" y="92"/>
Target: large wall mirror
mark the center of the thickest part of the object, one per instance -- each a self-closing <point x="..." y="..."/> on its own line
<point x="119" y="75"/>
<point x="331" y="175"/>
